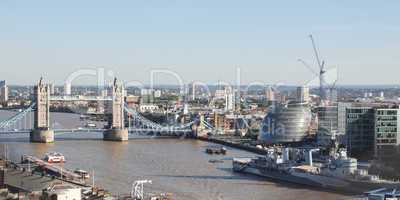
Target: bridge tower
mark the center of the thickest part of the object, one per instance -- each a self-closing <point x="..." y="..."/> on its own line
<point x="117" y="130"/>
<point x="41" y="131"/>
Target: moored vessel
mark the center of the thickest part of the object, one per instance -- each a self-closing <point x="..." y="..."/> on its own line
<point x="338" y="172"/>
<point x="216" y="150"/>
<point x="84" y="174"/>
<point x="54" y="157"/>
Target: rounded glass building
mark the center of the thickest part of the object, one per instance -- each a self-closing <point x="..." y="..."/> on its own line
<point x="286" y="123"/>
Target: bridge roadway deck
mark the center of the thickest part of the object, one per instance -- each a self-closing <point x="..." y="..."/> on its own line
<point x="132" y="130"/>
<point x="80" y="98"/>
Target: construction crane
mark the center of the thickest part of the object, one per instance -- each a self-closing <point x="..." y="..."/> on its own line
<point x="320" y="73"/>
<point x="321" y="65"/>
<point x="308" y="66"/>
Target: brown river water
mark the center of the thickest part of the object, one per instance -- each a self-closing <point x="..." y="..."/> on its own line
<point x="178" y="166"/>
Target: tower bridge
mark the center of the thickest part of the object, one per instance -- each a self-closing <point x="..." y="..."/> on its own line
<point x="41" y="129"/>
<point x="116" y="130"/>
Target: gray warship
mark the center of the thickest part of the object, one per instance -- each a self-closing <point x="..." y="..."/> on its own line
<point x="337" y="172"/>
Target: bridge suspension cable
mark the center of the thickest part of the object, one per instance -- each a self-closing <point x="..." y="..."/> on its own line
<point x="150" y="124"/>
<point x="21" y="122"/>
<point x="207" y="125"/>
<point x="18" y="118"/>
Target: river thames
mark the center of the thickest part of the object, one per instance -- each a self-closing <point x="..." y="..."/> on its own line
<point x="177" y="166"/>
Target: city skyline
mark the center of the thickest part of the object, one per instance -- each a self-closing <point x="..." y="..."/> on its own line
<point x="195" y="99"/>
<point x="204" y="41"/>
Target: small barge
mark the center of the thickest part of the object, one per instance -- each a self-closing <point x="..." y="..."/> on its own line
<point x="216" y="150"/>
<point x="84" y="174"/>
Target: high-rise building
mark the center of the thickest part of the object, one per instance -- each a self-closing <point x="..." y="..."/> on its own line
<point x="3" y="92"/>
<point x="193" y="91"/>
<point x="270" y="94"/>
<point x="229" y="99"/>
<point x="67" y="89"/>
<point x="360" y="131"/>
<point x="342" y="116"/>
<point x="327" y="123"/>
<point x="387" y="132"/>
<point x="51" y="88"/>
<point x="303" y="94"/>
<point x="327" y="119"/>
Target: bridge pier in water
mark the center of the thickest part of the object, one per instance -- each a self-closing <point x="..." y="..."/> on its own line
<point x="117" y="130"/>
<point x="115" y="135"/>
<point x="41" y="131"/>
<point x="42" y="136"/>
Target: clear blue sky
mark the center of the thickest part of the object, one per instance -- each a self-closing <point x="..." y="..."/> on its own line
<point x="200" y="40"/>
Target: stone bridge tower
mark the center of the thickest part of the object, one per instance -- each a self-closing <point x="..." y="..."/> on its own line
<point x="41" y="131"/>
<point x="117" y="131"/>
